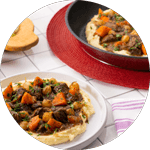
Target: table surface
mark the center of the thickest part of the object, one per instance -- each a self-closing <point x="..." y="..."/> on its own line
<point x="41" y="58"/>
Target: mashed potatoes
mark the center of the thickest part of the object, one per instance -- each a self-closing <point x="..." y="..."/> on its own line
<point x="94" y="39"/>
<point x="68" y="134"/>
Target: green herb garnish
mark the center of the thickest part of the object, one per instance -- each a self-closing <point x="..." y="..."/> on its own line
<point x="26" y="118"/>
<point x="132" y="48"/>
<point x="72" y="106"/>
<point x="18" y="84"/>
<point x="137" y="44"/>
<point x="91" y="28"/>
<point x="104" y="45"/>
<point x="47" y="126"/>
<point x="8" y="95"/>
<point x="29" y="133"/>
<point x="116" y="49"/>
<point x="57" y="84"/>
<point x="118" y="35"/>
<point x="55" y="130"/>
<point x="84" y="116"/>
<point x="99" y="16"/>
<point x="59" y="90"/>
<point x="69" y="102"/>
<point x="31" y="89"/>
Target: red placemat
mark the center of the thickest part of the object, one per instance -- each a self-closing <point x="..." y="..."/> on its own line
<point x="67" y="48"/>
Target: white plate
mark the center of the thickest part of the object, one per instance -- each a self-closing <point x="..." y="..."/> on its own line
<point x="96" y="121"/>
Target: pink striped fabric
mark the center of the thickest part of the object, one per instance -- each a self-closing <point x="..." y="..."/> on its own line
<point x="125" y="112"/>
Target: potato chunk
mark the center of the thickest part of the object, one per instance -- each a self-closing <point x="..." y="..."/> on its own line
<point x="47" y="116"/>
<point x="47" y="90"/>
<point x="46" y="103"/>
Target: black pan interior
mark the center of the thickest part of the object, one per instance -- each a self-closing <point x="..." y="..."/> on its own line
<point x="80" y="14"/>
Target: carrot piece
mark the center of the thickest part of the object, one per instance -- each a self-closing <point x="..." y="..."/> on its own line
<point x="34" y="123"/>
<point x="143" y="49"/>
<point x="73" y="119"/>
<point x="123" y="23"/>
<point x="8" y="106"/>
<point x="100" y="11"/>
<point x="119" y="43"/>
<point x="27" y="99"/>
<point x="59" y="99"/>
<point x="104" y="18"/>
<point x="8" y="92"/>
<point x="38" y="81"/>
<point x="72" y="91"/>
<point x="102" y="31"/>
<point x="54" y="123"/>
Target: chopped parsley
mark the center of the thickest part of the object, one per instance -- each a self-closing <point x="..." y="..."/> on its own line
<point x="45" y="83"/>
<point x="118" y="35"/>
<point x="91" y="28"/>
<point x="18" y="84"/>
<point x="59" y="90"/>
<point x="16" y="108"/>
<point x="47" y="95"/>
<point x="38" y="134"/>
<point x="104" y="45"/>
<point x="137" y="44"/>
<point x="32" y="83"/>
<point x="29" y="133"/>
<point x="8" y="95"/>
<point x="69" y="102"/>
<point x="132" y="48"/>
<point x="52" y="81"/>
<point x="116" y="49"/>
<point x="21" y="113"/>
<point x="55" y="130"/>
<point x="26" y="118"/>
<point x="136" y="41"/>
<point x="57" y="84"/>
<point x="7" y="100"/>
<point x="31" y="89"/>
<point x="47" y="126"/>
<point x="99" y="16"/>
<point x="72" y="106"/>
<point x="84" y="116"/>
<point x="126" y="32"/>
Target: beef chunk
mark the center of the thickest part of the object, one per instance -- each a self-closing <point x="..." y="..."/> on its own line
<point x="37" y="92"/>
<point x="17" y="95"/>
<point x="109" y="38"/>
<point x="20" y="91"/>
<point x="60" y="115"/>
<point x="26" y="108"/>
<point x="16" y="116"/>
<point x="36" y="112"/>
<point x="62" y="87"/>
<point x="114" y="26"/>
<point x="36" y="105"/>
<point x="40" y="111"/>
<point x="135" y="51"/>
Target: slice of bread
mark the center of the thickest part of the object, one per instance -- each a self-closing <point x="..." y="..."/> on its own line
<point x="24" y="38"/>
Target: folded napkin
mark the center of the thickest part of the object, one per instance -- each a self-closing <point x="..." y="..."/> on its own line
<point x="125" y="111"/>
